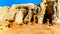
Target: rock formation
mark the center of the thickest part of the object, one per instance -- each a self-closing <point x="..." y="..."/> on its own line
<point x="57" y="11"/>
<point x="48" y="12"/>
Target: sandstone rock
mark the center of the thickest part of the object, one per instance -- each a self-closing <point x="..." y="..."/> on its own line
<point x="24" y="12"/>
<point x="42" y="13"/>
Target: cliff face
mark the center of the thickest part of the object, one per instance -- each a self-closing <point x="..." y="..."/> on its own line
<point x="28" y="13"/>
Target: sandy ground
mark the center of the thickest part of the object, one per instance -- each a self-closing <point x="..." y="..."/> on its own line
<point x="33" y="29"/>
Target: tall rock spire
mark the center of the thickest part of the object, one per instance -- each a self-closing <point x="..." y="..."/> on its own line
<point x="43" y="8"/>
